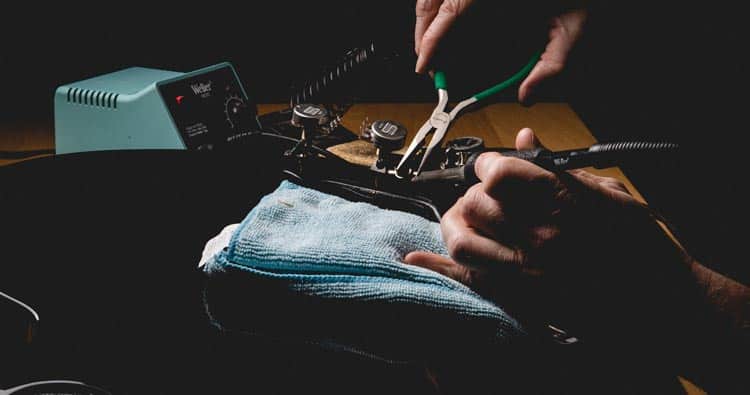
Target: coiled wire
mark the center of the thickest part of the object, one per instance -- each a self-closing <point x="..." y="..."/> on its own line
<point x="630" y="146"/>
<point x="311" y="91"/>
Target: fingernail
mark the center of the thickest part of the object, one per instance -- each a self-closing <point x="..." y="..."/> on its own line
<point x="530" y="133"/>
<point x="419" y="67"/>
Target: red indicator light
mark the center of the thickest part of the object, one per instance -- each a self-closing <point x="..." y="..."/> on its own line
<point x="178" y="99"/>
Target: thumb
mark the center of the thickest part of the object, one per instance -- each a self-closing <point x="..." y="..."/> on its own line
<point x="440" y="264"/>
<point x="526" y="140"/>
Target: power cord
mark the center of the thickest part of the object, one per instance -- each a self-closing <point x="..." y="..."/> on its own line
<point x="23" y="154"/>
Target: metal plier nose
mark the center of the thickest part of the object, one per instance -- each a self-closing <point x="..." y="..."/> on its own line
<point x="440" y="120"/>
<point x="437" y="124"/>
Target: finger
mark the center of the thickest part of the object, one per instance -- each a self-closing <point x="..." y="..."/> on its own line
<point x="440" y="264"/>
<point x="599" y="180"/>
<point x="484" y="214"/>
<point x="502" y="175"/>
<point x="446" y="16"/>
<point x="564" y="33"/>
<point x="468" y="248"/>
<point x="606" y="186"/>
<point x="544" y="69"/>
<point x="426" y="11"/>
<point x="526" y="140"/>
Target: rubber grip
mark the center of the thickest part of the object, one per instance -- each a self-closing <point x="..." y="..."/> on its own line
<point x="440" y="81"/>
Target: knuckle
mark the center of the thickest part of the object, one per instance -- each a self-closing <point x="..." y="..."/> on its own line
<point x="425" y="7"/>
<point x="542" y="236"/>
<point x="465" y="276"/>
<point x="429" y="39"/>
<point x="460" y="208"/>
<point x="518" y="257"/>
<point x="500" y="169"/>
<point x="548" y="180"/>
<point x="551" y="64"/>
<point x="458" y="245"/>
<point x="472" y="198"/>
<point x="556" y="67"/>
<point x="451" y="7"/>
<point x="616" y="183"/>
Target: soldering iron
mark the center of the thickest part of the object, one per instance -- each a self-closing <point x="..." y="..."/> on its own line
<point x="598" y="156"/>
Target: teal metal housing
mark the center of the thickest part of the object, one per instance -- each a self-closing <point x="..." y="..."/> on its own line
<point x="119" y="110"/>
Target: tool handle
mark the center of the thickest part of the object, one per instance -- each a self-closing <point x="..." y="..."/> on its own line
<point x="518" y="76"/>
<point x="598" y="156"/>
<point x="537" y="156"/>
<point x="441" y="82"/>
<point x="466" y="174"/>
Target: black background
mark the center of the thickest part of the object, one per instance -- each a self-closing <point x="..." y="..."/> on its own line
<point x="641" y="71"/>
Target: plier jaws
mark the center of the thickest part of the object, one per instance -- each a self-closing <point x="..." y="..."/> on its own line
<point x="437" y="124"/>
<point x="440" y="120"/>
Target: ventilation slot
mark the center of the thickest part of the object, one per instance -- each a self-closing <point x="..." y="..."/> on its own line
<point x="92" y="98"/>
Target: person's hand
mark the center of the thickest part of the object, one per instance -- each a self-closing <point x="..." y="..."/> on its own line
<point x="518" y="214"/>
<point x="574" y="245"/>
<point x="434" y="19"/>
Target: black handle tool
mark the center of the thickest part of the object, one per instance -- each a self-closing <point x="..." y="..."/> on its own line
<point x="598" y="156"/>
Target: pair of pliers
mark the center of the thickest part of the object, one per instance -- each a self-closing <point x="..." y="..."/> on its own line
<point x="440" y="120"/>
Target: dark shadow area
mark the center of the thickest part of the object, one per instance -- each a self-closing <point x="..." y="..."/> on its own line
<point x="659" y="72"/>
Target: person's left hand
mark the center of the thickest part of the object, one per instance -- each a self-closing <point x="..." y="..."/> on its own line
<point x="434" y="18"/>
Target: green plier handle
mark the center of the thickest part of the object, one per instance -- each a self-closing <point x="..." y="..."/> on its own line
<point x="441" y="82"/>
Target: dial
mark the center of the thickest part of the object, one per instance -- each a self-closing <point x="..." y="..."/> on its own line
<point x="235" y="109"/>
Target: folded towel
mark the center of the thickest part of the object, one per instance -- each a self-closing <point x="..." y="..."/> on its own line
<point x="315" y="267"/>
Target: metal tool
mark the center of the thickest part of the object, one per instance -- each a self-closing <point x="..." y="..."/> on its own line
<point x="598" y="155"/>
<point x="458" y="151"/>
<point x="440" y="119"/>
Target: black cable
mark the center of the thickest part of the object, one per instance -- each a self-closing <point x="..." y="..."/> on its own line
<point x="22" y="154"/>
<point x="311" y="90"/>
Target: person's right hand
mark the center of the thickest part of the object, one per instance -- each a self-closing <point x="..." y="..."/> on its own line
<point x="582" y="245"/>
<point x="434" y="19"/>
<point x="522" y="216"/>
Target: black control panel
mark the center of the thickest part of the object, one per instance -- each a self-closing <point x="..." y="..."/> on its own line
<point x="210" y="109"/>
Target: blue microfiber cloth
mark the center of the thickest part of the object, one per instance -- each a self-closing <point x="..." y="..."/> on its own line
<point x="314" y="267"/>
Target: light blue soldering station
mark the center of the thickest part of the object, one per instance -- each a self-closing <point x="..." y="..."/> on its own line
<point x="144" y="108"/>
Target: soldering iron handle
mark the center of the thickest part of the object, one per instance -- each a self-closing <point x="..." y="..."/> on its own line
<point x="598" y="156"/>
<point x="538" y="156"/>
